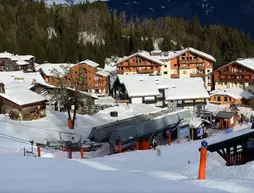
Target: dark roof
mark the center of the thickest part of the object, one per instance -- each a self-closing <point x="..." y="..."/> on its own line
<point x="102" y="133"/>
<point x="148" y="128"/>
<point x="224" y="115"/>
<point x="234" y="141"/>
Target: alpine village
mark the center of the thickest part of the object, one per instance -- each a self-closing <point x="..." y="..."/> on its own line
<point x="85" y="83"/>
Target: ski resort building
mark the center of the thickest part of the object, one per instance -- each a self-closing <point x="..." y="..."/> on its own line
<point x="139" y="63"/>
<point x="186" y="63"/>
<point x="11" y="62"/>
<point x="236" y="74"/>
<point x="87" y="73"/>
<point x="186" y="92"/>
<point x="230" y="96"/>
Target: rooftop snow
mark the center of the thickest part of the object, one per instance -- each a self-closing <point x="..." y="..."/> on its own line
<point x="19" y="76"/>
<point x="54" y="69"/>
<point x="90" y="63"/>
<point x="16" y="57"/>
<point x="236" y="93"/>
<point x="249" y="62"/>
<point x="175" y="89"/>
<point x="20" y="95"/>
<point x="22" y="62"/>
<point x="142" y="54"/>
<point x="103" y="73"/>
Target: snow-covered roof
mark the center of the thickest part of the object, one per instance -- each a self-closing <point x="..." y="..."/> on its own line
<point x="236" y="93"/>
<point x="142" y="54"/>
<point x="90" y="63"/>
<point x="173" y="54"/>
<point x="175" y="89"/>
<point x="103" y="73"/>
<point x="248" y="62"/>
<point x="21" y="62"/>
<point x="16" y="57"/>
<point x="54" y="69"/>
<point x="20" y="76"/>
<point x="20" y="95"/>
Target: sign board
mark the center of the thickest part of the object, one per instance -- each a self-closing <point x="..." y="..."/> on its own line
<point x="200" y="131"/>
<point x="204" y="144"/>
<point x="184" y="132"/>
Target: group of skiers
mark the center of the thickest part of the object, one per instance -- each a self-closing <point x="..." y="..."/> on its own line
<point x="247" y="118"/>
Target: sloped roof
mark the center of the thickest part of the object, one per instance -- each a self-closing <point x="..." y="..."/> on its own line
<point x="175" y="89"/>
<point x="16" y="57"/>
<point x="21" y="95"/>
<point x="142" y="54"/>
<point x="90" y="63"/>
<point x="224" y="115"/>
<point x="173" y="54"/>
<point x="103" y="73"/>
<point x="54" y="69"/>
<point x="236" y="93"/>
<point x="20" y="76"/>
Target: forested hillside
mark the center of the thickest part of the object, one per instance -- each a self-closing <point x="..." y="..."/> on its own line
<point x="89" y="30"/>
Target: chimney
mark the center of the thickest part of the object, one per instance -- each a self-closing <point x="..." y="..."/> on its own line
<point x="2" y="88"/>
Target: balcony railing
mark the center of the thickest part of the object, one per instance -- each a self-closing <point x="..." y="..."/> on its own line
<point x="174" y="75"/>
<point x="189" y="61"/>
<point x="145" y="71"/>
<point x="197" y="75"/>
<point x="237" y="73"/>
<point x="119" y="71"/>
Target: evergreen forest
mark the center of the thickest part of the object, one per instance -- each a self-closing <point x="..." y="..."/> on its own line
<point x="72" y="33"/>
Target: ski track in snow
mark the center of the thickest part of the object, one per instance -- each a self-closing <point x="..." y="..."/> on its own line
<point x="96" y="165"/>
<point x="222" y="184"/>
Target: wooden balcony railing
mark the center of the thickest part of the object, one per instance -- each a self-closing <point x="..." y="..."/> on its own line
<point x="237" y="73"/>
<point x="145" y="71"/>
<point x="119" y="71"/>
<point x="192" y="75"/>
<point x="189" y="61"/>
<point x="174" y="75"/>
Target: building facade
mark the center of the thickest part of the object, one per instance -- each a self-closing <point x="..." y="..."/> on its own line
<point x="85" y="73"/>
<point x="186" y="63"/>
<point x="11" y="62"/>
<point x="237" y="74"/>
<point x="139" y="63"/>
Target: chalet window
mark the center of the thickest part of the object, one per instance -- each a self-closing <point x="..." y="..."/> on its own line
<point x="165" y="66"/>
<point x="218" y="98"/>
<point x="208" y="70"/>
<point x="165" y="72"/>
<point x="184" y="72"/>
<point x="195" y="57"/>
<point x="182" y="58"/>
<point x="225" y="99"/>
<point x="175" y="65"/>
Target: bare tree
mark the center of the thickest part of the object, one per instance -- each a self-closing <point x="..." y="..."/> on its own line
<point x="70" y="90"/>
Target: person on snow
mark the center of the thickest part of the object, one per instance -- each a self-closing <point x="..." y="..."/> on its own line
<point x="158" y="150"/>
<point x="154" y="143"/>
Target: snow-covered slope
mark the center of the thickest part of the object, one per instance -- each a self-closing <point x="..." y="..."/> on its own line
<point x="140" y="171"/>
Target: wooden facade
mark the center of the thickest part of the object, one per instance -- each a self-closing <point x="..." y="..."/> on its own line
<point x="233" y="75"/>
<point x="6" y="64"/>
<point x="138" y="64"/>
<point x="84" y="74"/>
<point x="226" y="100"/>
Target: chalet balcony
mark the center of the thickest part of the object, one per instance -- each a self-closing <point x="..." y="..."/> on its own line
<point x="119" y="71"/>
<point x="193" y="75"/>
<point x="189" y="61"/>
<point x="184" y="67"/>
<point x="145" y="71"/>
<point x="238" y="73"/>
<point x="174" y="75"/>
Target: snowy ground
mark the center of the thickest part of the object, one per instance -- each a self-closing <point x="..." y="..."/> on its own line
<point x="55" y="122"/>
<point x="139" y="171"/>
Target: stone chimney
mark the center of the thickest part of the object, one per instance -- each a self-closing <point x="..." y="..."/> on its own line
<point x="2" y="88"/>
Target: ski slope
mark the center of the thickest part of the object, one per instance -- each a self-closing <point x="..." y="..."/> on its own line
<point x="138" y="171"/>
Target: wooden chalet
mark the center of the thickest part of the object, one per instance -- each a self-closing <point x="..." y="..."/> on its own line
<point x="139" y="63"/>
<point x="237" y="74"/>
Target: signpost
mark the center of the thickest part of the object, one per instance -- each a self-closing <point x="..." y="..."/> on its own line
<point x="203" y="158"/>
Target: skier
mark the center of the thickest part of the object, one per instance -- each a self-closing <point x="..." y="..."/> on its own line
<point x="154" y="143"/>
<point x="158" y="150"/>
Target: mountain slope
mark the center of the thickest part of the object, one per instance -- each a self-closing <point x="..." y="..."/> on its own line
<point x="237" y="14"/>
